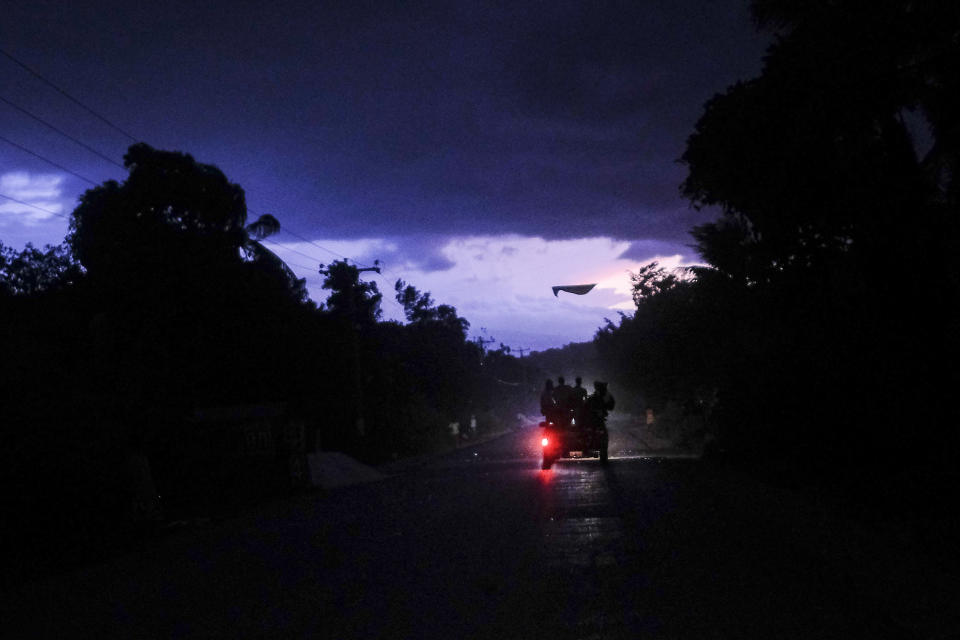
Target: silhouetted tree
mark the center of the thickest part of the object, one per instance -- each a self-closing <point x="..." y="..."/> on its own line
<point x="810" y="326"/>
<point x="350" y="297"/>
<point x="827" y="195"/>
<point x="441" y="357"/>
<point x="669" y="349"/>
<point x="419" y="308"/>
<point x="33" y="270"/>
<point x="650" y="280"/>
<point x="815" y="158"/>
<point x="172" y="221"/>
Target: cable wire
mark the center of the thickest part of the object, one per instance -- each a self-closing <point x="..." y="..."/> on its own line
<point x="47" y="160"/>
<point x="384" y="294"/>
<point x="63" y="133"/>
<point x="287" y="262"/>
<point x="285" y="248"/>
<point x="62" y="92"/>
<point x="111" y="161"/>
<point x="88" y="180"/>
<point x="109" y="123"/>
<point x="92" y="182"/>
<point x="27" y="204"/>
<point x="108" y="159"/>
<point x="297" y="264"/>
<point x="330" y="251"/>
<point x="313" y="270"/>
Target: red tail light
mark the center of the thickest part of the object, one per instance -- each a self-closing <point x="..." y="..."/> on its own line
<point x="544" y="442"/>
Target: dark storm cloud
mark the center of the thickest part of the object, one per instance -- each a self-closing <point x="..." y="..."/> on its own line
<point x="564" y="121"/>
<point x="558" y="120"/>
<point x="587" y="64"/>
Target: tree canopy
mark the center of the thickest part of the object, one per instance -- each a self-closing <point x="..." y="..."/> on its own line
<point x="817" y="157"/>
<point x="350" y="297"/>
<point x="834" y="172"/>
<point x="173" y="220"/>
<point x="32" y="270"/>
<point x="419" y="308"/>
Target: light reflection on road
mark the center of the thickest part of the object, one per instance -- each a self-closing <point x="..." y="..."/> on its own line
<point x="580" y="526"/>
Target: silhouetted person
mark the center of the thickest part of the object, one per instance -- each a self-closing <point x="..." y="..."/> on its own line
<point x="581" y="397"/>
<point x="548" y="406"/>
<point x="566" y="402"/>
<point x="598" y="405"/>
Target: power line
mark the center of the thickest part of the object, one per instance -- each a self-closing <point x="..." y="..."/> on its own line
<point x="297" y="264"/>
<point x="385" y="295"/>
<point x="27" y="204"/>
<point x="103" y="156"/>
<point x="38" y="208"/>
<point x="63" y="133"/>
<point x="88" y="180"/>
<point x="315" y="274"/>
<point x="392" y="273"/>
<point x="313" y="270"/>
<point x="47" y="160"/>
<point x="113" y="162"/>
<point x="286" y="248"/>
<point x="69" y="97"/>
<point x="289" y="249"/>
<point x="84" y="178"/>
<point x="284" y="229"/>
<point x="330" y="251"/>
<point x="109" y="123"/>
<point x="54" y="213"/>
<point x="306" y="255"/>
<point x="92" y="182"/>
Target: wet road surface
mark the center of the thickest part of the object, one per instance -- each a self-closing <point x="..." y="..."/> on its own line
<point x="483" y="544"/>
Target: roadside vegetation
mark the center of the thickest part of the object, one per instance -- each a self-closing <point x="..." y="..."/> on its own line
<point x="818" y="340"/>
<point x="164" y="364"/>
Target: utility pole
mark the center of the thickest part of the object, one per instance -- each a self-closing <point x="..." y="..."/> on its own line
<point x="357" y="372"/>
<point x="523" y="369"/>
<point x="483" y="342"/>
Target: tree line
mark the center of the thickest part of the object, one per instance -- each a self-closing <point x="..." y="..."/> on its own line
<point x="819" y="337"/>
<point x="164" y="303"/>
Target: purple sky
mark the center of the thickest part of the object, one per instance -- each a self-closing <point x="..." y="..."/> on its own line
<point x="484" y="151"/>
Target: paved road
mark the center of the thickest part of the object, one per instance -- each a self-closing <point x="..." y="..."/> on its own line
<point x="482" y="544"/>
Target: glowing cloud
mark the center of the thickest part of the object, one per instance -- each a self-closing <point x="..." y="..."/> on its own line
<point x="500" y="283"/>
<point x="40" y="190"/>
